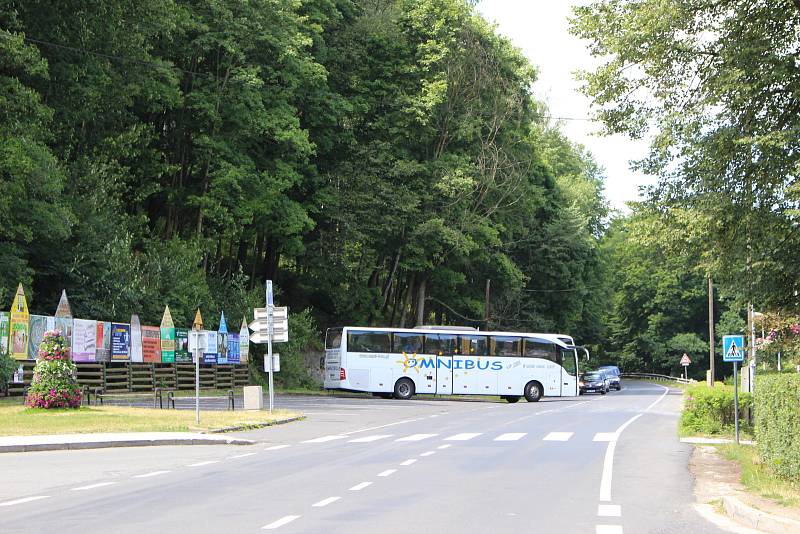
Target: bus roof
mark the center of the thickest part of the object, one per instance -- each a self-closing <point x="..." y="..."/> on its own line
<point x="556" y="338"/>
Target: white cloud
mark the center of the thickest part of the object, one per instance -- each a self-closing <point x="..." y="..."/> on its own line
<point x="540" y="30"/>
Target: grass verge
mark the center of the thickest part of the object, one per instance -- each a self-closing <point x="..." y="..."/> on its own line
<point x="21" y="421"/>
<point x="758" y="479"/>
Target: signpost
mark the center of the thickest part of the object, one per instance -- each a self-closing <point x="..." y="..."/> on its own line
<point x="733" y="351"/>
<point x="197" y="342"/>
<point x="271" y="324"/>
<point x="685" y="361"/>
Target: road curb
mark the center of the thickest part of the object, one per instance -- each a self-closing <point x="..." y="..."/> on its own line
<point x="756" y="519"/>
<point x="130" y="442"/>
<point x="255" y="426"/>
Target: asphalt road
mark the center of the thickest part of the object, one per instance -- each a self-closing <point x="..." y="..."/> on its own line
<point x="596" y="464"/>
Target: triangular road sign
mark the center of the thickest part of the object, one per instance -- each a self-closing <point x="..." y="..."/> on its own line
<point x="685" y="360"/>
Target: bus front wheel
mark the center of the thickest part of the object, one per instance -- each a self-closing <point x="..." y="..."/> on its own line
<point x="403" y="389"/>
<point x="533" y="391"/>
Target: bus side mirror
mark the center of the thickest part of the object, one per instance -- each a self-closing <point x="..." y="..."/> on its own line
<point x="585" y="352"/>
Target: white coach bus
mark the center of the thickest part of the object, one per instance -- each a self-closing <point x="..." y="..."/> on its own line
<point x="450" y="360"/>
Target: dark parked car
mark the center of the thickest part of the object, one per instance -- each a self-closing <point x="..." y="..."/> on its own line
<point x="612" y="372"/>
<point x="594" y="381"/>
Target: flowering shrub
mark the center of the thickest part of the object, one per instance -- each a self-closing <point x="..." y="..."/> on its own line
<point x="54" y="384"/>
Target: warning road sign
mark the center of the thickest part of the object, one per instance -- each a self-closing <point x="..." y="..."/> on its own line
<point x="733" y="348"/>
<point x="685" y="359"/>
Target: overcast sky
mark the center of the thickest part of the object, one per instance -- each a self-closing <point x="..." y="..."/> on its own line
<point x="540" y="30"/>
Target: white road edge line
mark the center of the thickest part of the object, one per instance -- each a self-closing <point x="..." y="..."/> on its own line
<point x="409" y="461"/>
<point x="245" y="455"/>
<point x="608" y="461"/>
<point x="387" y="472"/>
<point x="93" y="486"/>
<point x="276" y="447"/>
<point x="280" y="522"/>
<point x="381" y="426"/>
<point x="24" y="500"/>
<point x="359" y="487"/>
<point x="152" y="474"/>
<point x="325" y="502"/>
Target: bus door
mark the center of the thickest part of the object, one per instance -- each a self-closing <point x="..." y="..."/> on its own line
<point x="441" y="348"/>
<point x="569" y="373"/>
<point x="467" y="378"/>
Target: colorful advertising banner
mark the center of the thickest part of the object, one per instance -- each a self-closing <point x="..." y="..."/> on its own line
<point x="234" y="354"/>
<point x="64" y="325"/>
<point x="151" y="344"/>
<point x="182" y="346"/>
<point x="84" y="340"/>
<point x="4" y="322"/>
<point x="103" y="339"/>
<point x="210" y="355"/>
<point x="18" y="332"/>
<point x="167" y="337"/>
<point x="120" y="342"/>
<point x="39" y="325"/>
<point x="136" y="340"/>
<point x="222" y="340"/>
<point x="244" y="341"/>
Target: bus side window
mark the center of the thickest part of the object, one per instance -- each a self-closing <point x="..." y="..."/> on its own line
<point x="474" y="345"/>
<point x="408" y="343"/>
<point x="360" y="341"/>
<point x="536" y="348"/>
<point x="441" y="344"/>
<point x="506" y="346"/>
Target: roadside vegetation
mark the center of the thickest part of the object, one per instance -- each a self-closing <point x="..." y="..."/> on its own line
<point x="759" y="479"/>
<point x="709" y="411"/>
<point x="20" y="421"/>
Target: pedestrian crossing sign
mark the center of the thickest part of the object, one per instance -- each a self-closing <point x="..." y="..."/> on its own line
<point x="733" y="348"/>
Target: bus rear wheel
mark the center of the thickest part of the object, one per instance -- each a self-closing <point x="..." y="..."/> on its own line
<point x="533" y="391"/>
<point x="403" y="389"/>
<point x="511" y="399"/>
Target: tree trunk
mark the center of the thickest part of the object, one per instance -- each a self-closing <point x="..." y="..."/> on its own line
<point x="421" y="301"/>
<point x="407" y="301"/>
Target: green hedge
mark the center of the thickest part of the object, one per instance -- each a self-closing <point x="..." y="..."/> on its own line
<point x="778" y="423"/>
<point x="709" y="410"/>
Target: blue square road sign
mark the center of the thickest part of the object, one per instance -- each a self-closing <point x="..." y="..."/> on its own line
<point x="733" y="348"/>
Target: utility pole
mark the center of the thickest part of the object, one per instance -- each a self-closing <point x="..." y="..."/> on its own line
<point x="486" y="307"/>
<point x="711" y="328"/>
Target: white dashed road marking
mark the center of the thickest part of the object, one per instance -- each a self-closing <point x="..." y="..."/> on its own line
<point x="445" y="446"/>
<point x="93" y="486"/>
<point x="22" y="501"/>
<point x="369" y="439"/>
<point x="409" y="461"/>
<point x="609" y="510"/>
<point x="417" y="437"/>
<point x="245" y="455"/>
<point x="608" y="529"/>
<point x="153" y="474"/>
<point x="605" y="436"/>
<point x="276" y="447"/>
<point x="463" y="437"/>
<point x="201" y="464"/>
<point x="325" y="502"/>
<point x="558" y="436"/>
<point x="323" y="439"/>
<point x="359" y="487"/>
<point x="387" y="472"/>
<point x="280" y="522"/>
<point x="511" y="436"/>
<point x="429" y="453"/>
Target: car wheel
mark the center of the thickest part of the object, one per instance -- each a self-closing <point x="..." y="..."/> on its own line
<point x="533" y="391"/>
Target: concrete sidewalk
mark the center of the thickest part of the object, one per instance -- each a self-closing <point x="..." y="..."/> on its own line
<point x="60" y="442"/>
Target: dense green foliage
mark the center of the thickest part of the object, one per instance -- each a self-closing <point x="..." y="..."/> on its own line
<point x="711" y="410"/>
<point x="717" y="86"/>
<point x="778" y="423"/>
<point x="380" y="160"/>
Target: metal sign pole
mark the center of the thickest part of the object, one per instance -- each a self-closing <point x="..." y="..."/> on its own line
<point x="270" y="311"/>
<point x="197" y="379"/>
<point x="736" y="400"/>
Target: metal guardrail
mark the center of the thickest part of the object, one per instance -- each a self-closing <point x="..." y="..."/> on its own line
<point x="653" y="376"/>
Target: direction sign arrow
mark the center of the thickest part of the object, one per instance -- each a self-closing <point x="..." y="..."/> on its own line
<point x="263" y="337"/>
<point x="278" y="312"/>
<point x="262" y="325"/>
